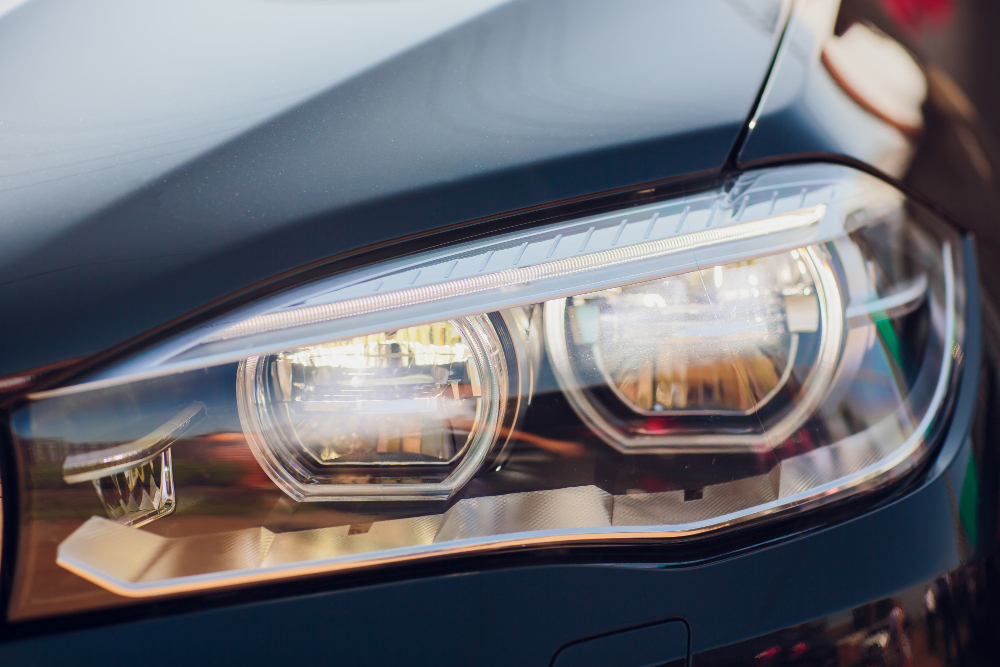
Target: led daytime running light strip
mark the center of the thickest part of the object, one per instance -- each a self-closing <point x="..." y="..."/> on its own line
<point x="519" y="275"/>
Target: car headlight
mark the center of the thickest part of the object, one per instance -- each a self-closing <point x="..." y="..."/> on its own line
<point x="707" y="361"/>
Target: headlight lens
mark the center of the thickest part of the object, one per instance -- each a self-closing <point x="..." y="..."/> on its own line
<point x="717" y="359"/>
<point x="648" y="365"/>
<point x="405" y="414"/>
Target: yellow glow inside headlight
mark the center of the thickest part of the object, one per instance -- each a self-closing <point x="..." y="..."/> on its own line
<point x="644" y="365"/>
<point x="404" y="414"/>
<point x="705" y="361"/>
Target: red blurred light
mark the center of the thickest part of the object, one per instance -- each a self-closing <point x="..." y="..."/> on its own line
<point x="917" y="15"/>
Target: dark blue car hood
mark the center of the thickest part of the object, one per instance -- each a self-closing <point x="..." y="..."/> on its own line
<point x="160" y="156"/>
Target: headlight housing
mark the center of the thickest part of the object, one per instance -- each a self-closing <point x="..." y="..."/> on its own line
<point x="782" y="341"/>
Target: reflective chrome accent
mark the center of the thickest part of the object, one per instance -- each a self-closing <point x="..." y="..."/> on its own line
<point x="516" y="276"/>
<point x="88" y="466"/>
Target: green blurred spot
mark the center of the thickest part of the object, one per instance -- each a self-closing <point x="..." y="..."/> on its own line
<point x="888" y="334"/>
<point x="967" y="503"/>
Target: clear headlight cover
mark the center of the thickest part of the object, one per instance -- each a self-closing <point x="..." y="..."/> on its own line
<point x="703" y="362"/>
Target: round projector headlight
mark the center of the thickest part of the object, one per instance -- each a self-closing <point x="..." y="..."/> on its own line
<point x="398" y="415"/>
<point x="657" y="366"/>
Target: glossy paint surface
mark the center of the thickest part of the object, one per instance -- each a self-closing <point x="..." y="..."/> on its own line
<point x="159" y="156"/>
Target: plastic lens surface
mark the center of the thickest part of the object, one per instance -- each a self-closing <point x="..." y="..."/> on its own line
<point x="682" y="367"/>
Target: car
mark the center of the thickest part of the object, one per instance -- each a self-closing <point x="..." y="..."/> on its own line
<point x="493" y="332"/>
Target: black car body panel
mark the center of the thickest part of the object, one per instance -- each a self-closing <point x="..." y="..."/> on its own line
<point x="218" y="164"/>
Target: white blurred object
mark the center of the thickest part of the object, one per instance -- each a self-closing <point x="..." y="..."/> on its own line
<point x="879" y="74"/>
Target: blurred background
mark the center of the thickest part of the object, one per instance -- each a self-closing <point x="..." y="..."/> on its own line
<point x="960" y="36"/>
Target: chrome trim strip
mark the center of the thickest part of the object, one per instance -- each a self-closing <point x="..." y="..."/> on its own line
<point x="88" y="466"/>
<point x="801" y="218"/>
